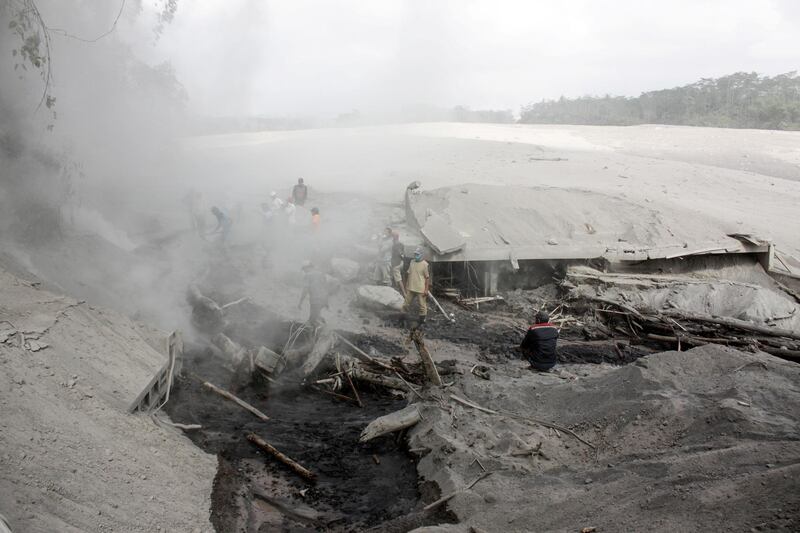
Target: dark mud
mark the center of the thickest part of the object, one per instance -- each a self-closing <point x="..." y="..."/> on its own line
<point x="358" y="485"/>
<point x="496" y="342"/>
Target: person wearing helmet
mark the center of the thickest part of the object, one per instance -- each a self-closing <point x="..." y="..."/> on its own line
<point x="316" y="290"/>
<point x="418" y="284"/>
<point x="300" y="192"/>
<point x="539" y="344"/>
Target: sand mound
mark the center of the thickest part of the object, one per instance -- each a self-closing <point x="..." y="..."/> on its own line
<point x="688" y="441"/>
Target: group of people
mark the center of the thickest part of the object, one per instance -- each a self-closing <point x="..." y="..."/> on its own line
<point x="276" y="207"/>
<point x="271" y="212"/>
<point x="391" y="265"/>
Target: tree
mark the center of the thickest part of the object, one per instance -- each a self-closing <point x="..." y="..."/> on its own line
<point x="740" y="100"/>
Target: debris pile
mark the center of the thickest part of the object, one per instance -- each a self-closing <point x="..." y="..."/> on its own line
<point x="683" y="311"/>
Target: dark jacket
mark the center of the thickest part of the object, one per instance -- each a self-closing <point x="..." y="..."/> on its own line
<point x="539" y="345"/>
<point x="299" y="194"/>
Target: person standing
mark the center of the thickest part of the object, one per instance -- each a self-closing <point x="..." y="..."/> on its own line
<point x="316" y="290"/>
<point x="224" y="224"/>
<point x="418" y="285"/>
<point x="384" y="262"/>
<point x="539" y="344"/>
<point x="300" y="192"/>
<point x="398" y="257"/>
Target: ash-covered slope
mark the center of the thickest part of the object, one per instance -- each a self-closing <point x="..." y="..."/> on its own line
<point x="71" y="458"/>
<point x="701" y="440"/>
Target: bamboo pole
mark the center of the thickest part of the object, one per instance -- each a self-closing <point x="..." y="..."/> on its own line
<point x="241" y="403"/>
<point x="291" y="463"/>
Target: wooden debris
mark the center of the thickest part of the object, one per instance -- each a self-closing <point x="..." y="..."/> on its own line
<point x="360" y="374"/>
<point x="450" y="496"/>
<point x="291" y="463"/>
<point x="298" y="513"/>
<point x="451" y="318"/>
<point x="407" y="384"/>
<point x="241" y="403"/>
<point x="481" y="300"/>
<point x="361" y="354"/>
<point x="555" y="427"/>
<point x="734" y="323"/>
<point x="352" y="387"/>
<point x="334" y="394"/>
<point x="427" y="361"/>
<point x="390" y="423"/>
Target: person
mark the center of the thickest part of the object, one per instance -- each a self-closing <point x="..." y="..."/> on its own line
<point x="266" y="214"/>
<point x="315" y="219"/>
<point x="398" y="253"/>
<point x="300" y="192"/>
<point x="384" y="263"/>
<point x="277" y="203"/>
<point x="539" y="344"/>
<point x="418" y="285"/>
<point x="224" y="224"/>
<point x="316" y="290"/>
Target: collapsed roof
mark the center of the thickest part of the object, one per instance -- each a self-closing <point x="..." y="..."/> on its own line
<point x="475" y="222"/>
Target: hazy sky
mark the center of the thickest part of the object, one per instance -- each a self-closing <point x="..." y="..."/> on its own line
<point x="326" y="57"/>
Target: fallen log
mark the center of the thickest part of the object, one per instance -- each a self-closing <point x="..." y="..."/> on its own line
<point x="696" y="341"/>
<point x="732" y="323"/>
<point x="794" y="355"/>
<point x="288" y="461"/>
<point x="360" y="374"/>
<point x="241" y="403"/>
<point x="390" y="423"/>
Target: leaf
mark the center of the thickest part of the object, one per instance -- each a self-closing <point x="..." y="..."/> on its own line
<point x="14" y="53"/>
<point x="12" y="24"/>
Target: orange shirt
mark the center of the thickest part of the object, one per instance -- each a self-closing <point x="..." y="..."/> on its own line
<point x="315" y="222"/>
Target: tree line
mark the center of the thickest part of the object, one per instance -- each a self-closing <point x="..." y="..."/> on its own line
<point x="740" y="100"/>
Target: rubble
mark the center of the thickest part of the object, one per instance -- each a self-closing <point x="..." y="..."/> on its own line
<point x="379" y="298"/>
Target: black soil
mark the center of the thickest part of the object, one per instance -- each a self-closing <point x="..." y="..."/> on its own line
<point x="497" y="341"/>
<point x="357" y="485"/>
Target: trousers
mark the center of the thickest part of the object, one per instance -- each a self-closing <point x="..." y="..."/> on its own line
<point x="421" y="298"/>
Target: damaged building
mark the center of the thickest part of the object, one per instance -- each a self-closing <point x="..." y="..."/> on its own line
<point x="486" y="238"/>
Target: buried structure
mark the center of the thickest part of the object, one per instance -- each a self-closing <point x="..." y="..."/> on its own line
<point x="486" y="237"/>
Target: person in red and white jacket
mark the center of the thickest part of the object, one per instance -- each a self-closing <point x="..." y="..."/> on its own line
<point x="539" y="344"/>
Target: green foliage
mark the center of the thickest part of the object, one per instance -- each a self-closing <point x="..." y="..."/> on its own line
<point x="740" y="100"/>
